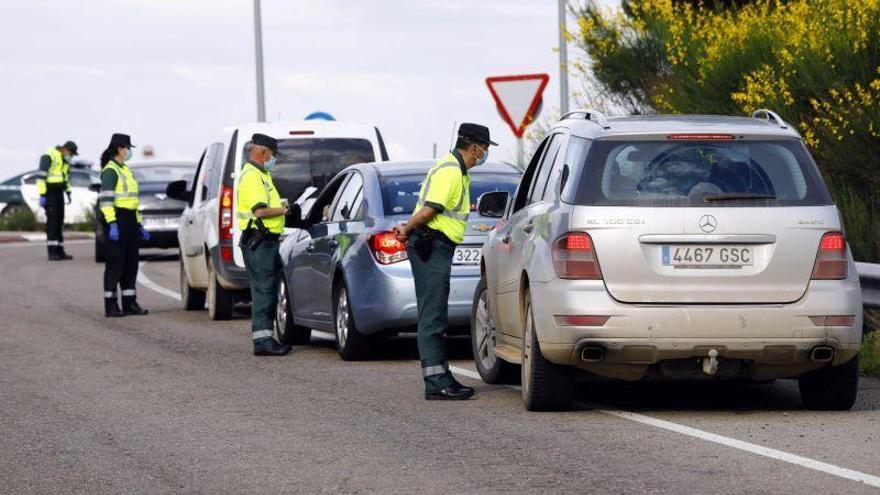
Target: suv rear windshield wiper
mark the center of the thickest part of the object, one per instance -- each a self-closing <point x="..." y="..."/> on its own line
<point x="736" y="196"/>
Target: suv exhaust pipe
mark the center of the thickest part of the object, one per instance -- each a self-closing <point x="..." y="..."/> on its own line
<point x="593" y="353"/>
<point x="822" y="354"/>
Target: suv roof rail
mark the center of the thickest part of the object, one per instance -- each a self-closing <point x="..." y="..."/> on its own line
<point x="592" y="115"/>
<point x="765" y="114"/>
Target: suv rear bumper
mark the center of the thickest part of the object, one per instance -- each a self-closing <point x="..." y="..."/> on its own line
<point x="770" y="340"/>
<point x="230" y="275"/>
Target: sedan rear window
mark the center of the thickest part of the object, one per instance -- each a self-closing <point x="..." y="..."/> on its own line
<point x="700" y="173"/>
<point x="400" y="193"/>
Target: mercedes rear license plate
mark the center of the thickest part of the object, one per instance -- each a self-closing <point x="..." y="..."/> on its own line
<point x="466" y="255"/>
<point x="717" y="256"/>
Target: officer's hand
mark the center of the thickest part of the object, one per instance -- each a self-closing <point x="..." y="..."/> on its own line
<point x="144" y="234"/>
<point x="113" y="232"/>
<point x="42" y="201"/>
<point x="69" y="199"/>
<point x="400" y="231"/>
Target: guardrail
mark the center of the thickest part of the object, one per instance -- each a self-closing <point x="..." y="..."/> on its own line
<point x="869" y="277"/>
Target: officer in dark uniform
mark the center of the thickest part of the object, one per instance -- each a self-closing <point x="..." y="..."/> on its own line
<point x="122" y="226"/>
<point x="56" y="163"/>
<point x="435" y="228"/>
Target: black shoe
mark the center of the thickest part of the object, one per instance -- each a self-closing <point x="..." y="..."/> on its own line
<point x="113" y="312"/>
<point x="55" y="257"/>
<point x="270" y="348"/>
<point x="64" y="256"/>
<point x="456" y="391"/>
<point x="134" y="309"/>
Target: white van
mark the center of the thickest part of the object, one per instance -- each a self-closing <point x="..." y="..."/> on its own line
<point x="211" y="263"/>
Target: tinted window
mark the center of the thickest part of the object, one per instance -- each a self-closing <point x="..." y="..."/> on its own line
<point x="521" y="192"/>
<point x="313" y="162"/>
<point x="348" y="203"/>
<point x="163" y="174"/>
<point x="33" y="179"/>
<point x="400" y="193"/>
<point x="80" y="179"/>
<point x="214" y="172"/>
<point x="540" y="183"/>
<point x="700" y="173"/>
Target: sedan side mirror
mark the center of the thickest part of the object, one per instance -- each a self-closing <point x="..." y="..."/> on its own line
<point x="492" y="204"/>
<point x="178" y="190"/>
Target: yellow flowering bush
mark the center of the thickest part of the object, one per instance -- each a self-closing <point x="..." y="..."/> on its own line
<point x="815" y="62"/>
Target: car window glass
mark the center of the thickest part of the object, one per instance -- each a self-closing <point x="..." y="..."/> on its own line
<point x="321" y="209"/>
<point x="528" y="175"/>
<point x="540" y="182"/>
<point x="400" y="193"/>
<point x="575" y="156"/>
<point x="214" y="171"/>
<point x="32" y="179"/>
<point x="345" y="205"/>
<point x="198" y="178"/>
<point x="79" y="179"/>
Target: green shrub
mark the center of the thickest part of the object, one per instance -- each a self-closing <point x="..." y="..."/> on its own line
<point x="869" y="358"/>
<point x="21" y="220"/>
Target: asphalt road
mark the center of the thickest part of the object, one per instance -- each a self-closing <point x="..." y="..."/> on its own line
<point x="173" y="403"/>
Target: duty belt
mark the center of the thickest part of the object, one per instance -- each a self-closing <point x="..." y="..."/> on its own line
<point x="435" y="234"/>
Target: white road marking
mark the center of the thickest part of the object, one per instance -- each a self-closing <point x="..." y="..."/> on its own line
<point x="20" y="244"/>
<point x="34" y="237"/>
<point x="146" y="282"/>
<point x="779" y="455"/>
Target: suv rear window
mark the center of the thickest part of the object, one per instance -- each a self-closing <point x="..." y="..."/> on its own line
<point x="699" y="173"/>
<point x="400" y="193"/>
<point x="313" y="162"/>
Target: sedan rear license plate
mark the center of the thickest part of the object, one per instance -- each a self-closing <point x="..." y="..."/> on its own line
<point x="161" y="222"/>
<point x="718" y="256"/>
<point x="467" y="255"/>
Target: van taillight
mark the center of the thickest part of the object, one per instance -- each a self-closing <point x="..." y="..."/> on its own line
<point x="387" y="249"/>
<point x="574" y="257"/>
<point x="226" y="218"/>
<point x="831" y="262"/>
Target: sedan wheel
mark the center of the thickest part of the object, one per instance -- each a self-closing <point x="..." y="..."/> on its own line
<point x="286" y="331"/>
<point x="350" y="343"/>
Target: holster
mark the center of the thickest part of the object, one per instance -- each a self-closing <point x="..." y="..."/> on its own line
<point x="254" y="235"/>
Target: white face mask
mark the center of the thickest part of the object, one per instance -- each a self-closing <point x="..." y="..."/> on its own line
<point x="485" y="156"/>
<point x="127" y="154"/>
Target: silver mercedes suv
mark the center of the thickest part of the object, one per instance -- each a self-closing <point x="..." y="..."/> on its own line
<point x="669" y="247"/>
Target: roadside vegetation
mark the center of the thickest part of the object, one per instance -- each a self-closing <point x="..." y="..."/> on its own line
<point x="24" y="220"/>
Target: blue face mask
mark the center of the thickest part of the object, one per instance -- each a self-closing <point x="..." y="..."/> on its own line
<point x="128" y="154"/>
<point x="484" y="158"/>
<point x="270" y="164"/>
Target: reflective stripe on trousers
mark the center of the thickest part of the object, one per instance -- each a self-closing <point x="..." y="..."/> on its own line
<point x="262" y="334"/>
<point x="440" y="369"/>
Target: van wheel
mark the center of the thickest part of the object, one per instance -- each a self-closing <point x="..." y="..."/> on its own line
<point x="100" y="251"/>
<point x="832" y="388"/>
<point x="286" y="331"/>
<point x="545" y="386"/>
<point x="192" y="299"/>
<point x="491" y="368"/>
<point x="351" y="344"/>
<point x="220" y="300"/>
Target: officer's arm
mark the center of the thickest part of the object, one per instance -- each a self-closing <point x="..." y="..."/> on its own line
<point x="45" y="163"/>
<point x="107" y="195"/>
<point x="419" y="218"/>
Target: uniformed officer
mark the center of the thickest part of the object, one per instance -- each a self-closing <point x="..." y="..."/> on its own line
<point x="122" y="227"/>
<point x="435" y="228"/>
<point x="56" y="163"/>
<point x="261" y="218"/>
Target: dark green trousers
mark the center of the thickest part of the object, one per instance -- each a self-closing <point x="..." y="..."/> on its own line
<point x="263" y="266"/>
<point x="432" y="296"/>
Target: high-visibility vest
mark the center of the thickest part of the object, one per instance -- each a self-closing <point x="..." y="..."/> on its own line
<point x="453" y="185"/>
<point x="57" y="173"/>
<point x="124" y="195"/>
<point x="255" y="188"/>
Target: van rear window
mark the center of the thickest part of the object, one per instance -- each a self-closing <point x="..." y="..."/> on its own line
<point x="700" y="173"/>
<point x="314" y="161"/>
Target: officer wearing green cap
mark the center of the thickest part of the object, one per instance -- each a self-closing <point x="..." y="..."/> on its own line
<point x="56" y="163"/>
<point x="261" y="219"/>
<point x="435" y="228"/>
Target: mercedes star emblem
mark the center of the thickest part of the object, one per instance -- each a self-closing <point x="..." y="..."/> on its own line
<point x="708" y="224"/>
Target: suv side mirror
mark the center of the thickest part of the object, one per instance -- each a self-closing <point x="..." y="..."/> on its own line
<point x="178" y="190"/>
<point x="492" y="204"/>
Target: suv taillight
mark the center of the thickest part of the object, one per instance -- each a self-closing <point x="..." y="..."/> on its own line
<point x="226" y="219"/>
<point x="387" y="249"/>
<point x="574" y="257"/>
<point x="831" y="262"/>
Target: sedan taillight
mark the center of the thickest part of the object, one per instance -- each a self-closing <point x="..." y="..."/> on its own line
<point x="387" y="249"/>
<point x="574" y="257"/>
<point x="831" y="262"/>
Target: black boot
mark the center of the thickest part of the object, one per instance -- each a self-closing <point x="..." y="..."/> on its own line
<point x="131" y="307"/>
<point x="62" y="255"/>
<point x="54" y="255"/>
<point x="269" y="347"/>
<point x="111" y="308"/>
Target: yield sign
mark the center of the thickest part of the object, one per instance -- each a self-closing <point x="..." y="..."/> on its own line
<point x="518" y="98"/>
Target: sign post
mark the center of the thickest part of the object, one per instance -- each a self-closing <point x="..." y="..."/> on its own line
<point x="518" y="99"/>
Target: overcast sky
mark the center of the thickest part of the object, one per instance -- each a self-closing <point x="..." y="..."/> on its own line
<point x="173" y="72"/>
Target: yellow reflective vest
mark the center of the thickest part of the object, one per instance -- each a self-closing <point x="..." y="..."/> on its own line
<point x="124" y="195"/>
<point x="57" y="173"/>
<point x="447" y="188"/>
<point x="256" y="190"/>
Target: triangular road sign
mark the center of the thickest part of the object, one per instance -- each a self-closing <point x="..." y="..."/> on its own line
<point x="518" y="98"/>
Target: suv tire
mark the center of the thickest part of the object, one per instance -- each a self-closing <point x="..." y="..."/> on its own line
<point x="192" y="299"/>
<point x="492" y="369"/>
<point x="545" y="386"/>
<point x="220" y="300"/>
<point x="832" y="388"/>
<point x="286" y="330"/>
<point x="351" y="344"/>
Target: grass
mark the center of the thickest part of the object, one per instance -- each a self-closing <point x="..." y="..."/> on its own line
<point x="869" y="357"/>
<point x="21" y="220"/>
